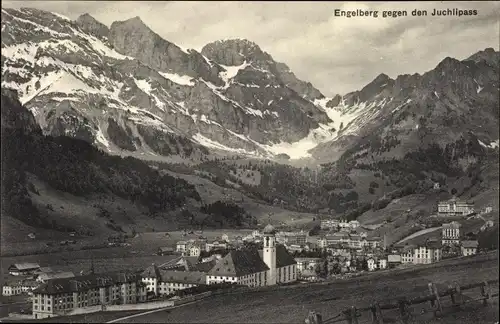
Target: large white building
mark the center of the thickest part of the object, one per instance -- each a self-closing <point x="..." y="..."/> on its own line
<point x="329" y="224"/>
<point x="296" y="238"/>
<point x="451" y="233"/>
<point x="426" y="253"/>
<point x="270" y="266"/>
<point x="455" y="207"/>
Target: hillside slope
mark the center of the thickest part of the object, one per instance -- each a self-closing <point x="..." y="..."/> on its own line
<point x="66" y="184"/>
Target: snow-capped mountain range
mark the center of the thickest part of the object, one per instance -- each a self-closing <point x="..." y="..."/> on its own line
<point x="125" y="89"/>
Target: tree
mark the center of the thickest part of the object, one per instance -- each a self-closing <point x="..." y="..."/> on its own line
<point x="315" y="230"/>
<point x="364" y="265"/>
<point x="336" y="269"/>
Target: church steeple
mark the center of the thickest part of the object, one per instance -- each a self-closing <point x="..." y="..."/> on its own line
<point x="269" y="253"/>
<point x="92" y="270"/>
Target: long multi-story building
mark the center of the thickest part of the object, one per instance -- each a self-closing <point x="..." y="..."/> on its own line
<point x="216" y="245"/>
<point x="60" y="296"/>
<point x="455" y="207"/>
<point x="296" y="238"/>
<point x="451" y="234"/>
<point x="329" y="224"/>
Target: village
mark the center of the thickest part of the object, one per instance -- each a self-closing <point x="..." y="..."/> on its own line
<point x="265" y="257"/>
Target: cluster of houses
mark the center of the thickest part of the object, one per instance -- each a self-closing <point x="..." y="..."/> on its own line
<point x="25" y="277"/>
<point x="292" y="241"/>
<point x="451" y="236"/>
<point x="433" y="250"/>
<point x="253" y="267"/>
<point x="56" y="294"/>
<point x="269" y="262"/>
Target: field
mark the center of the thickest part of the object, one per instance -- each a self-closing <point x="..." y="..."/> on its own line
<point x="151" y="241"/>
<point x="210" y="192"/>
<point x="292" y="304"/>
<point x="140" y="254"/>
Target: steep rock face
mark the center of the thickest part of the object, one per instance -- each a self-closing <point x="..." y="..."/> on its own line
<point x="391" y="118"/>
<point x="14" y="115"/>
<point x="92" y="27"/>
<point x="81" y="79"/>
<point x="133" y="38"/>
<point x="235" y="52"/>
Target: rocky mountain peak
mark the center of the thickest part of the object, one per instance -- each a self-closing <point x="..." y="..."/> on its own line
<point x="382" y="77"/>
<point x="92" y="26"/>
<point x="234" y="52"/>
<point x="489" y="55"/>
<point x="381" y="82"/>
<point x="14" y="115"/>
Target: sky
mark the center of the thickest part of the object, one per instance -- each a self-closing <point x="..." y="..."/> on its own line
<point x="336" y="54"/>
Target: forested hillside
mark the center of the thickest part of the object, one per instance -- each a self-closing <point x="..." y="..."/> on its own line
<point x="76" y="167"/>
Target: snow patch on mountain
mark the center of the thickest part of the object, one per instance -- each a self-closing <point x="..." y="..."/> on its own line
<point x="67" y="83"/>
<point x="61" y="16"/>
<point x="231" y="71"/>
<point x="301" y="148"/>
<point x="102" y="139"/>
<point x="216" y="145"/>
<point x="492" y="145"/>
<point x="179" y="79"/>
<point x="144" y="85"/>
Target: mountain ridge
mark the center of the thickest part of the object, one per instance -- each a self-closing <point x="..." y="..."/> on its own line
<point x="220" y="114"/>
<point x="231" y="114"/>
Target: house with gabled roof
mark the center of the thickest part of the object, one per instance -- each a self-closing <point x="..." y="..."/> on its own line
<point x="22" y="269"/>
<point x="186" y="272"/>
<point x="469" y="247"/>
<point x="171" y="280"/>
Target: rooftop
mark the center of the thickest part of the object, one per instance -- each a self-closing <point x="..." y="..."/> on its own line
<point x="269" y="229"/>
<point x="239" y="263"/>
<point x="24" y="266"/>
<point x="186" y="277"/>
<point x="87" y="282"/>
<point x="283" y="257"/>
<point x="470" y="244"/>
<point x="56" y="275"/>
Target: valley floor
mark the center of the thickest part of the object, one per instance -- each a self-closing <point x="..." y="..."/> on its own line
<point x="292" y="304"/>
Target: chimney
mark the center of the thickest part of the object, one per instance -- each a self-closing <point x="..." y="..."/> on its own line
<point x="75" y="285"/>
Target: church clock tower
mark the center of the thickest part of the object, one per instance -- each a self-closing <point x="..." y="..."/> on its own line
<point x="269" y="254"/>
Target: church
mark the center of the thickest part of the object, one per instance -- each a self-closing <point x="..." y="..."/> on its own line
<point x="270" y="266"/>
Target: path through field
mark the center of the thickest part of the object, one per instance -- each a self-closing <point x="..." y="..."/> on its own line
<point x="419" y="233"/>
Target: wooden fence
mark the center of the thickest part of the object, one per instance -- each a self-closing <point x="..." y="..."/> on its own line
<point x="435" y="298"/>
